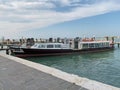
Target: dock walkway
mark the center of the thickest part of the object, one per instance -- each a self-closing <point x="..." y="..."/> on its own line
<point x="16" y="76"/>
<point x="21" y="74"/>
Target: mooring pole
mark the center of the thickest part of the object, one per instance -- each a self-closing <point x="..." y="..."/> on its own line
<point x="7" y="51"/>
<point x="118" y="45"/>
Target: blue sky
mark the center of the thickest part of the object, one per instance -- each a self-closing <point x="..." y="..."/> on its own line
<point x="59" y="18"/>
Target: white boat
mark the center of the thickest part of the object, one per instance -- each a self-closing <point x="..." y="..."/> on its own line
<point x="47" y="49"/>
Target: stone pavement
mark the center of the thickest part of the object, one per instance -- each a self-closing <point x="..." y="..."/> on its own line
<point x="16" y="76"/>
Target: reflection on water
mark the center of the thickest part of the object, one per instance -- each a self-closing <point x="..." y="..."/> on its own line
<point x="102" y="66"/>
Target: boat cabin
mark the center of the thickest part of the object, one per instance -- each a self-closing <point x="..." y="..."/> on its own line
<point x="94" y="44"/>
<point x="80" y="45"/>
<point x="51" y="46"/>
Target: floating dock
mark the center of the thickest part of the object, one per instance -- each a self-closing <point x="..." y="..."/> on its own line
<point x="20" y="74"/>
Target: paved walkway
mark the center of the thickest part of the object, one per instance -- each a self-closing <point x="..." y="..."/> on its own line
<point x="16" y="76"/>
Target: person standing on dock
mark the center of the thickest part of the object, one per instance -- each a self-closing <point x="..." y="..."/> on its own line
<point x="7" y="51"/>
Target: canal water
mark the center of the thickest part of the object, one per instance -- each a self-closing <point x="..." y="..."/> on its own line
<point x="101" y="66"/>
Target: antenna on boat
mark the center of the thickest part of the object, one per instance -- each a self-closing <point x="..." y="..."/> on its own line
<point x="84" y="36"/>
<point x="93" y="37"/>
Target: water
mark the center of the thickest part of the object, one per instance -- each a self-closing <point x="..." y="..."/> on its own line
<point x="102" y="66"/>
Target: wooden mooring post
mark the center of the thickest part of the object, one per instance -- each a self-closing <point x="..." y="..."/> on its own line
<point x="118" y="45"/>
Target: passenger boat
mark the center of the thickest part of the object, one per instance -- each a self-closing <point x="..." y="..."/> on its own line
<point x="48" y="49"/>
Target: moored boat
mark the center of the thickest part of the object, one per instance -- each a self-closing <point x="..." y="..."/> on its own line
<point x="48" y="49"/>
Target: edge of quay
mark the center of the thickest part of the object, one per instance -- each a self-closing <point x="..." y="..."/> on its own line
<point x="84" y="82"/>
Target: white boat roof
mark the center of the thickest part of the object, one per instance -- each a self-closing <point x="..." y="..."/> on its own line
<point x="49" y="43"/>
<point x="95" y="42"/>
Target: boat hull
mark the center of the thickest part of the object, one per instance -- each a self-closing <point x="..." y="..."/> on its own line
<point x="52" y="52"/>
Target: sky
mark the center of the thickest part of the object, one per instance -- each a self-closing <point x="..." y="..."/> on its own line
<point x="59" y="18"/>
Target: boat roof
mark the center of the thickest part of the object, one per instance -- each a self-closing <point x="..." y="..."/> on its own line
<point x="96" y="42"/>
<point x="48" y="43"/>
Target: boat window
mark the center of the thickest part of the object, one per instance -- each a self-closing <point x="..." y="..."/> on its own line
<point x="85" y="45"/>
<point x="42" y="46"/>
<point x="49" y="46"/>
<point x="57" y="46"/>
<point x="96" y="45"/>
<point x="91" y="45"/>
<point x="107" y="44"/>
<point x="35" y="45"/>
<point x="104" y="44"/>
<point x="39" y="46"/>
<point x="101" y="44"/>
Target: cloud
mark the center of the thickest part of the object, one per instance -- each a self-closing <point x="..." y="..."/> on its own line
<point x="23" y="15"/>
<point x="69" y="2"/>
